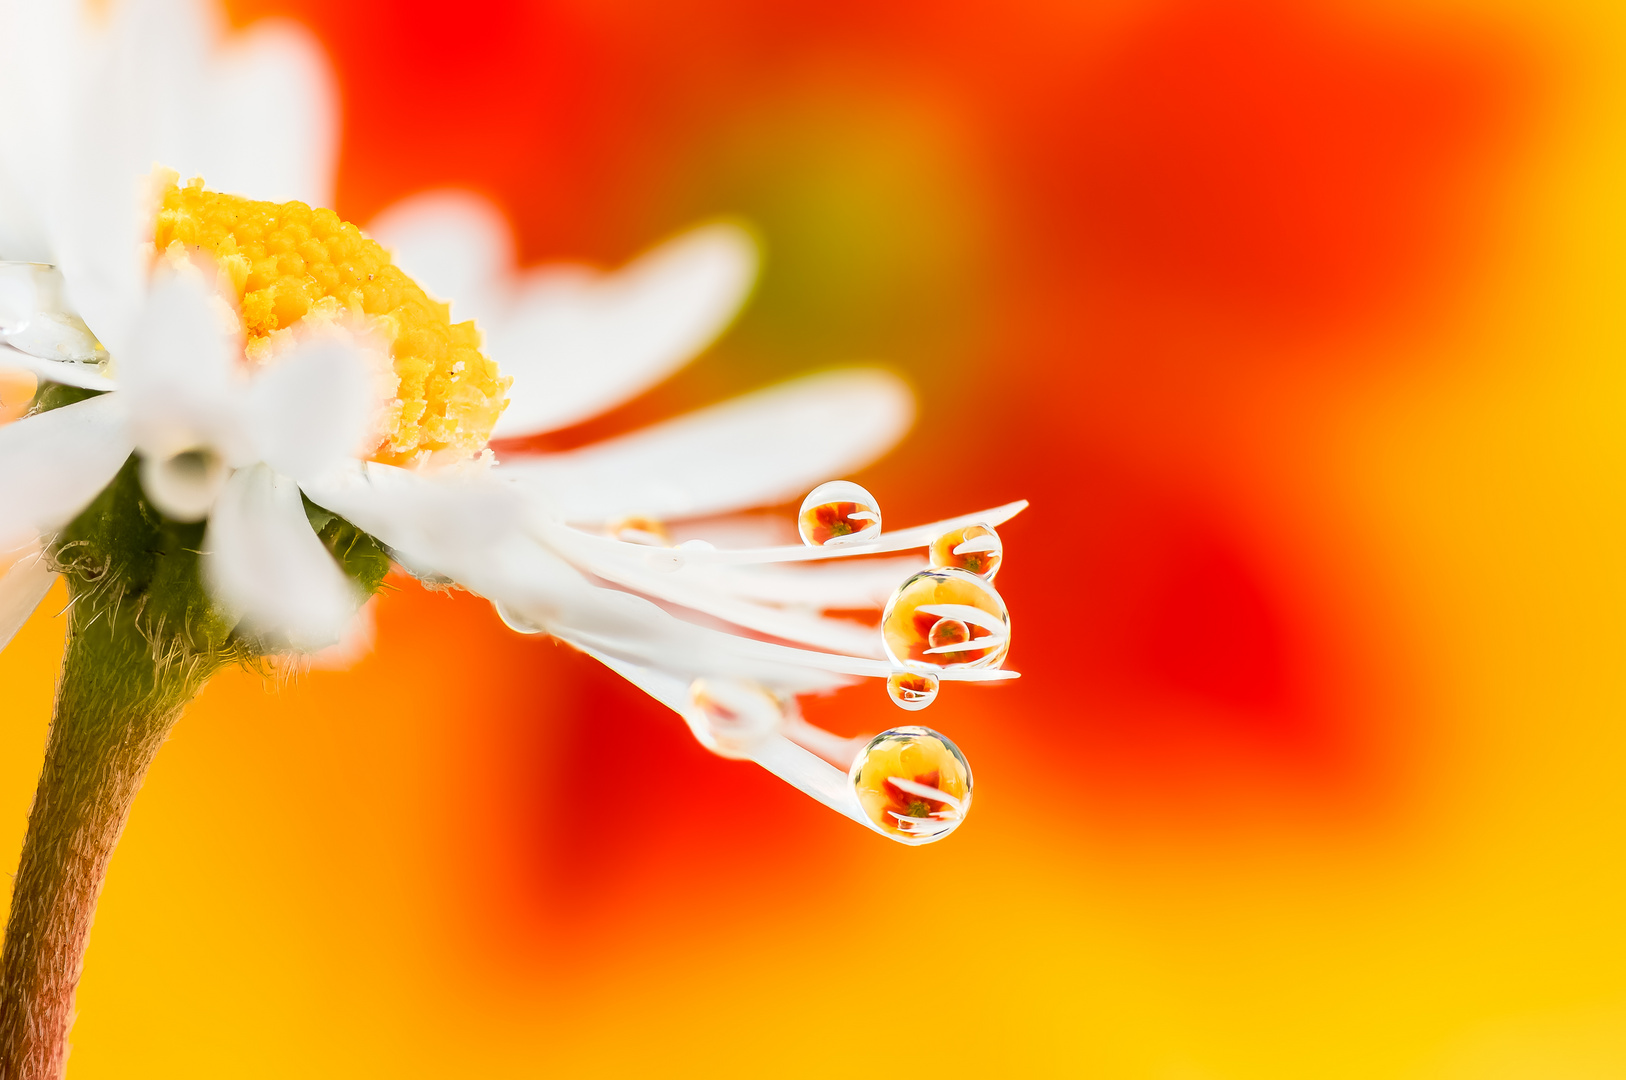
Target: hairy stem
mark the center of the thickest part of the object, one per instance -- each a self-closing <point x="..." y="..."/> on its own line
<point x="118" y="698"/>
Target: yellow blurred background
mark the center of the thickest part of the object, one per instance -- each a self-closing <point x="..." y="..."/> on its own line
<point x="1304" y="328"/>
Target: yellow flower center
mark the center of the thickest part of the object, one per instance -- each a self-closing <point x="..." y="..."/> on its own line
<point x="292" y="266"/>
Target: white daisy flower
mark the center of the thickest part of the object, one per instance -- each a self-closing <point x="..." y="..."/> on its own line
<point x="718" y="635"/>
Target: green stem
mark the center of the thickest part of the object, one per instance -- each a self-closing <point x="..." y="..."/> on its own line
<point x="119" y="696"/>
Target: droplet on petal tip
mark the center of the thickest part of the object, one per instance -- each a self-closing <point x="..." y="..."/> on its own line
<point x="729" y="716"/>
<point x="912" y="690"/>
<point x="913" y="783"/>
<point x="976" y="549"/>
<point x="838" y="512"/>
<point x="946" y="618"/>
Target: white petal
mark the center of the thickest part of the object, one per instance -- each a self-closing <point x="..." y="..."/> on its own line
<point x="756" y="450"/>
<point x="578" y="343"/>
<point x="838" y="586"/>
<point x="41" y="41"/>
<point x="22" y="587"/>
<point x="917" y="536"/>
<point x="54" y="463"/>
<point x="435" y="525"/>
<point x="271" y="128"/>
<point x="312" y="409"/>
<point x="634" y="570"/>
<point x="457" y="245"/>
<point x="178" y="374"/>
<point x="262" y="561"/>
<point x="66" y="372"/>
<point x="791" y="763"/>
<point x="101" y="210"/>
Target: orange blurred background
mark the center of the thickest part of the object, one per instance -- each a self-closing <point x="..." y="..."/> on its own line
<point x="1302" y="325"/>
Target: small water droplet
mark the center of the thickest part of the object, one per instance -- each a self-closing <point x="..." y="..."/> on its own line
<point x="514" y="621"/>
<point x="976" y="549"/>
<point x="946" y="618"/>
<point x="729" y="716"/>
<point x="838" y="512"/>
<point x="912" y="690"/>
<point x="913" y="783"/>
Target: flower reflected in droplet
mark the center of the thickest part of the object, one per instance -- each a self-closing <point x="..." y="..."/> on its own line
<point x="913" y="783"/>
<point x="838" y="512"/>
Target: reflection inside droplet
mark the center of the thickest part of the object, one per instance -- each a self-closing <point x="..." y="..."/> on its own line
<point x="946" y="619"/>
<point x="838" y="512"/>
<point x="912" y="690"/>
<point x="913" y="783"/>
<point x="729" y="716"/>
<point x="976" y="549"/>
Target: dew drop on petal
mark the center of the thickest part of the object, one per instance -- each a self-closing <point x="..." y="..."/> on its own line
<point x="912" y="690"/>
<point x="838" y="512"/>
<point x="946" y="618"/>
<point x="729" y="716"/>
<point x="913" y="783"/>
<point x="975" y="549"/>
<point x="514" y="621"/>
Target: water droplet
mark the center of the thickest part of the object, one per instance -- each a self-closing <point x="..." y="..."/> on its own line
<point x="637" y="529"/>
<point x="514" y="621"/>
<point x="729" y="716"/>
<point x="913" y="783"/>
<point x="976" y="549"/>
<point x="912" y="690"/>
<point x="946" y="618"/>
<point x="838" y="512"/>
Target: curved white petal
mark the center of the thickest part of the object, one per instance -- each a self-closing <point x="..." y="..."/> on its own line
<point x="457" y="245"/>
<point x="756" y="450"/>
<point x="577" y="342"/>
<point x="798" y="767"/>
<point x="42" y="40"/>
<point x="634" y="570"/>
<point x="177" y="375"/>
<point x="917" y="536"/>
<point x="435" y="525"/>
<point x="263" y="562"/>
<point x="22" y="587"/>
<point x="66" y="372"/>
<point x="54" y="463"/>
<point x="840" y="586"/>
<point x="269" y="127"/>
<point x="100" y="198"/>
<point x="312" y="409"/>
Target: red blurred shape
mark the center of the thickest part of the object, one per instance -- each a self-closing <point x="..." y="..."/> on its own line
<point x="1272" y="162"/>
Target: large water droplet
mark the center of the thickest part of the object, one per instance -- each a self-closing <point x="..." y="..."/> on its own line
<point x="976" y="549"/>
<point x="946" y="618"/>
<point x="838" y="512"/>
<point x="913" y="783"/>
<point x="729" y="716"/>
<point x="912" y="690"/>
